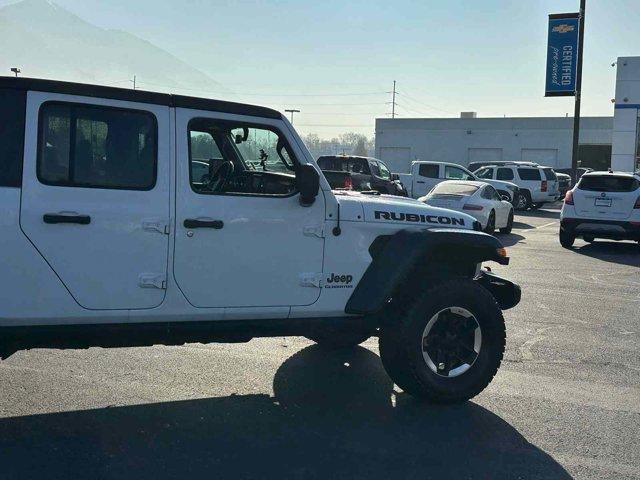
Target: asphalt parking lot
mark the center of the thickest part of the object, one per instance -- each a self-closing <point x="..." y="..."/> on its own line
<point x="565" y="403"/>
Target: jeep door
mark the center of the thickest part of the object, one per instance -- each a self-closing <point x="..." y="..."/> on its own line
<point x="95" y="196"/>
<point x="242" y="237"/>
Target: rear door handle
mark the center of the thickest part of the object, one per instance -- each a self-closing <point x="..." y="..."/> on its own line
<point x="53" y="218"/>
<point x="196" y="223"/>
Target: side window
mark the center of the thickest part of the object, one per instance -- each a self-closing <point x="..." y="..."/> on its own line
<point x="485" y="173"/>
<point x="504" y="174"/>
<point x="96" y="147"/>
<point x="428" y="170"/>
<point x="384" y="171"/>
<point x="375" y="170"/>
<point x="227" y="157"/>
<point x="454" y="173"/>
<point x="529" y="174"/>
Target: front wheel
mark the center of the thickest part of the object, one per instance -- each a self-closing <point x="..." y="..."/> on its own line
<point x="446" y="346"/>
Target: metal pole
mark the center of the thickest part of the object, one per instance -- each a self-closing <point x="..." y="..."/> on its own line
<point x="393" y="101"/>
<point x="292" y="111"/>
<point x="576" y="114"/>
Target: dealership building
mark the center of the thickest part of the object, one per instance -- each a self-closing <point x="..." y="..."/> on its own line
<point x="604" y="141"/>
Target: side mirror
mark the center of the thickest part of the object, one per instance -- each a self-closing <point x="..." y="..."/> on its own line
<point x="395" y="176"/>
<point x="308" y="182"/>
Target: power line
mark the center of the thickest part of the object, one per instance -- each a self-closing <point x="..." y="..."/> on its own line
<point x="431" y="107"/>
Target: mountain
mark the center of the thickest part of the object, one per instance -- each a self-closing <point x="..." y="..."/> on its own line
<point x="47" y="41"/>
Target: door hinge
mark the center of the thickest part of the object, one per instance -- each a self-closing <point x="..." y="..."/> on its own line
<point x="156" y="226"/>
<point x="312" y="279"/>
<point x="314" y="231"/>
<point x="153" y="280"/>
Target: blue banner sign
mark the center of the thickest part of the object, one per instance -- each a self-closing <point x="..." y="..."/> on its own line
<point x="562" y="54"/>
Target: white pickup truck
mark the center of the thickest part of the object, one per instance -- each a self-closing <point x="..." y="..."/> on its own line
<point x="426" y="175"/>
<point x="132" y="218"/>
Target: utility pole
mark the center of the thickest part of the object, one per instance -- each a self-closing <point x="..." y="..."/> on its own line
<point x="292" y="111"/>
<point x="134" y="82"/>
<point x="578" y="95"/>
<point x="393" y="101"/>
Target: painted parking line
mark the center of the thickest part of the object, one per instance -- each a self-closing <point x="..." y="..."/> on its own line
<point x="540" y="226"/>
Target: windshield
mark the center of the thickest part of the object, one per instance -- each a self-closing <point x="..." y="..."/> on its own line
<point x="261" y="149"/>
<point x="608" y="184"/>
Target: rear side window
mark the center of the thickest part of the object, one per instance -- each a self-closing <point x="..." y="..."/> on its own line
<point x="429" y="171"/>
<point x="609" y="184"/>
<point x="504" y="174"/>
<point x="12" y="115"/>
<point x="454" y="189"/>
<point x="549" y="174"/>
<point x="529" y="174"/>
<point x="97" y="147"/>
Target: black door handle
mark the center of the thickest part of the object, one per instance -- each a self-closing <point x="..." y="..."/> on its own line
<point x="419" y="181"/>
<point x="54" y="218"/>
<point x="195" y="223"/>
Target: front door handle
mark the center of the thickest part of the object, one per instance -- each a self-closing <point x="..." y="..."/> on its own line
<point x="196" y="223"/>
<point x="419" y="181"/>
<point x="53" y="218"/>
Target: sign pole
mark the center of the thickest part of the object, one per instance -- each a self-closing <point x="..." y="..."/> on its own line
<point x="578" y="95"/>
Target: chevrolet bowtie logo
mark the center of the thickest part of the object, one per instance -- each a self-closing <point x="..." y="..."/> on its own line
<point x="564" y="28"/>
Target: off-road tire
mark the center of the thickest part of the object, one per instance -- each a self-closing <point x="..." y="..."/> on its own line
<point x="507" y="230"/>
<point x="491" y="223"/>
<point x="401" y="342"/>
<point x="339" y="340"/>
<point x="566" y="239"/>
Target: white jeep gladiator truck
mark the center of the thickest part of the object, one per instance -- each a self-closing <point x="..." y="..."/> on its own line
<point x="131" y="218"/>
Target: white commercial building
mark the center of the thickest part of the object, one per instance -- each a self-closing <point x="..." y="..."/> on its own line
<point x="626" y="125"/>
<point x="546" y="140"/>
<point x="604" y="141"/>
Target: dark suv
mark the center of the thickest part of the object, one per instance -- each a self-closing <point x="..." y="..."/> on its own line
<point x="360" y="173"/>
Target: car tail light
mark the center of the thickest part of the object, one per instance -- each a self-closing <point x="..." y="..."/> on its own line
<point x="471" y="206"/>
<point x="568" y="198"/>
<point x="348" y="183"/>
<point x="543" y="186"/>
<point x="637" y="205"/>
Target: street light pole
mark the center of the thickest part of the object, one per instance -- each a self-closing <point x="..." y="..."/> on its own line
<point x="15" y="70"/>
<point x="578" y="95"/>
<point x="292" y="111"/>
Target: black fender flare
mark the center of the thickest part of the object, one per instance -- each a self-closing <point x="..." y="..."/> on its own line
<point x="430" y="251"/>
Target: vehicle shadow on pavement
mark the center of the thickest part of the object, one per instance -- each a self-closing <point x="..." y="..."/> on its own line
<point x="551" y="214"/>
<point x="334" y="415"/>
<point x="510" y="239"/>
<point x="623" y="253"/>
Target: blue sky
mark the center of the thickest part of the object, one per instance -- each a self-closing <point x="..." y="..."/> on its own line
<point x="447" y="56"/>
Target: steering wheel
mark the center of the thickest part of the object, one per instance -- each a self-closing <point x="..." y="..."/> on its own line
<point x="219" y="176"/>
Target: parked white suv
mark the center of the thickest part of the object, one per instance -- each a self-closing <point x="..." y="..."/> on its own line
<point x="426" y="175"/>
<point x="602" y="205"/>
<point x="132" y="218"/>
<point x="538" y="185"/>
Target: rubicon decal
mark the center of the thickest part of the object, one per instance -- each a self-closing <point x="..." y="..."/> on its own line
<point x="339" y="281"/>
<point x="418" y="218"/>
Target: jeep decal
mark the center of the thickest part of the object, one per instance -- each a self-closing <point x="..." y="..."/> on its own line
<point x="414" y="217"/>
<point x="339" y="281"/>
